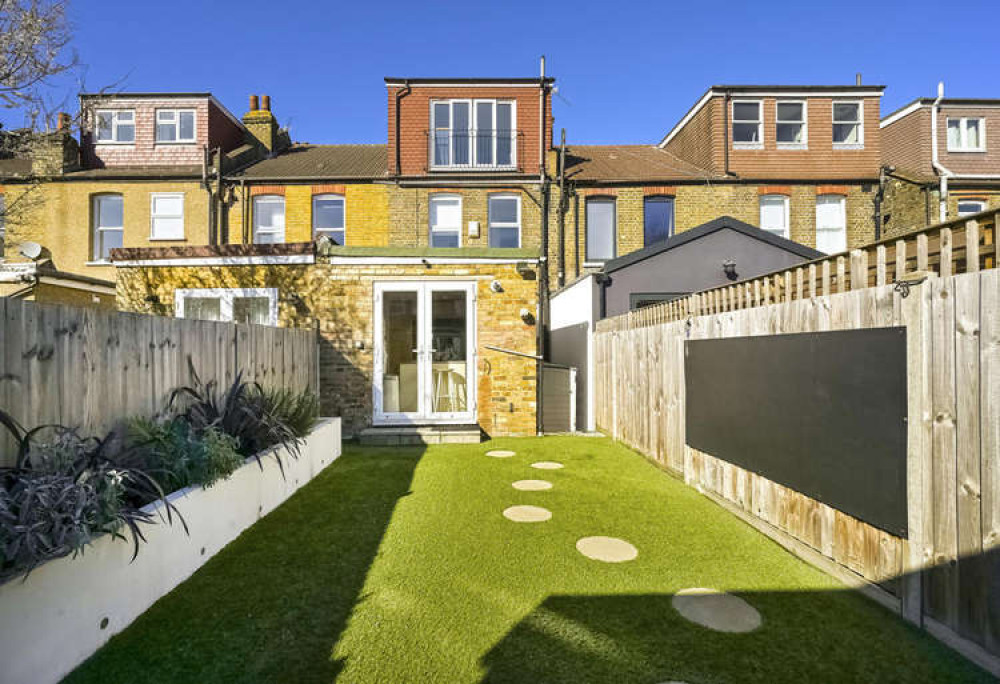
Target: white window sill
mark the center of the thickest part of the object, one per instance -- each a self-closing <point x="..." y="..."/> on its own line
<point x="595" y="264"/>
<point x="480" y="167"/>
<point x="747" y="146"/>
<point x="175" y="142"/>
<point x="952" y="150"/>
<point x="114" y="143"/>
<point x="180" y="238"/>
<point x="848" y="146"/>
<point x="99" y="262"/>
<point x="792" y="146"/>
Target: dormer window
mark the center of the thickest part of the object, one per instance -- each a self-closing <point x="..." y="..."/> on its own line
<point x="175" y="126"/>
<point x="472" y="134"/>
<point x="790" y="125"/>
<point x="748" y="124"/>
<point x="116" y="126"/>
<point x="848" y="131"/>
<point x="966" y="135"/>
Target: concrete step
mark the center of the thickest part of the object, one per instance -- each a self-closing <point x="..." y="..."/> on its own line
<point x="419" y="435"/>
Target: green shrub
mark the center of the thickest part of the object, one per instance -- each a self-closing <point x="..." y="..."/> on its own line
<point x="179" y="457"/>
<point x="298" y="410"/>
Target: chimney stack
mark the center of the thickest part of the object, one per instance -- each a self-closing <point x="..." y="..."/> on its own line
<point x="254" y="104"/>
<point x="263" y="127"/>
<point x="265" y="102"/>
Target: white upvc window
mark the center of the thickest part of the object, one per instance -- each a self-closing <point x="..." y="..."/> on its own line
<point x="970" y="206"/>
<point x="791" y="124"/>
<point x="602" y="228"/>
<point x="505" y="220"/>
<point x="473" y="134"/>
<point x="445" y="214"/>
<point x="237" y="305"/>
<point x="774" y="214"/>
<point x="748" y="124"/>
<point x="175" y="125"/>
<point x="115" y="126"/>
<point x="848" y="125"/>
<point x="831" y="223"/>
<point x="268" y="219"/>
<point x="966" y="134"/>
<point x="166" y="211"/>
<point x="109" y="225"/>
<point x="328" y="217"/>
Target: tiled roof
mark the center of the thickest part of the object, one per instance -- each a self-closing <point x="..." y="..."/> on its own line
<point x="112" y="172"/>
<point x="320" y="162"/>
<point x="632" y="163"/>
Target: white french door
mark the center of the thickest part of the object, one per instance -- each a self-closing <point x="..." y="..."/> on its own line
<point x="425" y="348"/>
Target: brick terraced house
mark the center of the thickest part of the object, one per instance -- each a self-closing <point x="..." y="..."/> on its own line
<point x="801" y="162"/>
<point x="941" y="162"/>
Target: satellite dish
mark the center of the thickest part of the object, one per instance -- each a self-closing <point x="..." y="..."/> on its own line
<point x="31" y="250"/>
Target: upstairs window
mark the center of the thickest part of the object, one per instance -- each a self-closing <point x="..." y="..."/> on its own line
<point x="969" y="206"/>
<point x="790" y="125"/>
<point x="472" y="134"/>
<point x="505" y="220"/>
<point x="445" y="212"/>
<point x="831" y="223"/>
<point x="658" y="219"/>
<point x="109" y="225"/>
<point x="116" y="126"/>
<point x="748" y="124"/>
<point x="268" y="219"/>
<point x="774" y="214"/>
<point x="601" y="229"/>
<point x="175" y="126"/>
<point x="166" y="211"/>
<point x="328" y="217"/>
<point x="966" y="135"/>
<point x="848" y="131"/>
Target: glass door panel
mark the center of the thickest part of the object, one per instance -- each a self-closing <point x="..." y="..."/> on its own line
<point x="400" y="366"/>
<point x="449" y="351"/>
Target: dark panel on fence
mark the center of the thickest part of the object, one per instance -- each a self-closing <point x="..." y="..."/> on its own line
<point x="821" y="413"/>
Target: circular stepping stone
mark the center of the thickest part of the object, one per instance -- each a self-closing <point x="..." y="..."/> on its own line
<point x="607" y="549"/>
<point x="532" y="485"/>
<point x="500" y="453"/>
<point x="716" y="610"/>
<point x="547" y="465"/>
<point x="527" y="514"/>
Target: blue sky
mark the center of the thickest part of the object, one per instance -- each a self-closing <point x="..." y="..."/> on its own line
<point x="626" y="71"/>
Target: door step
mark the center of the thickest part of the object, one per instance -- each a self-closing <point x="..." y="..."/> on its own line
<point x="419" y="435"/>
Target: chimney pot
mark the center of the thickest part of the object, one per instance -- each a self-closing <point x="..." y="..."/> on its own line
<point x="857" y="78"/>
<point x="63" y="121"/>
<point x="254" y="105"/>
<point x="265" y="102"/>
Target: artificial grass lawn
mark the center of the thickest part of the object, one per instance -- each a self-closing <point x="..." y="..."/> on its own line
<point x="396" y="565"/>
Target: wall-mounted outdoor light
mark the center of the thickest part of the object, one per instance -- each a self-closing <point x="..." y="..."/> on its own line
<point x="525" y="270"/>
<point x="527" y="316"/>
<point x="496" y="286"/>
<point x="729" y="268"/>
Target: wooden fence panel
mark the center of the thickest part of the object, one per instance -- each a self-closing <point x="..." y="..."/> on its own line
<point x="947" y="568"/>
<point x="88" y="368"/>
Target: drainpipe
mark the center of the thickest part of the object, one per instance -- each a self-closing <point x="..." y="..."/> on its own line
<point x="400" y="94"/>
<point x="207" y="183"/>
<point x="576" y="231"/>
<point x="562" y="210"/>
<point x="543" y="265"/>
<point x="942" y="172"/>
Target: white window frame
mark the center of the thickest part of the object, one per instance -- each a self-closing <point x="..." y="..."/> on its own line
<point x="982" y="206"/>
<point x="742" y="145"/>
<point x="804" y="145"/>
<point x="501" y="224"/>
<point x="98" y="247"/>
<point x="842" y="228"/>
<point x="115" y="123"/>
<point x="473" y="129"/>
<point x="178" y="140"/>
<point x="323" y="231"/>
<point x="963" y="128"/>
<point x="589" y="261"/>
<point x="860" y="145"/>
<point x="268" y="198"/>
<point x="153" y="196"/>
<point x="431" y="230"/>
<point x="785" y="199"/>
<point x="226" y="297"/>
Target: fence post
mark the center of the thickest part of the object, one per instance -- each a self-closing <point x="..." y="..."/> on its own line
<point x="915" y="309"/>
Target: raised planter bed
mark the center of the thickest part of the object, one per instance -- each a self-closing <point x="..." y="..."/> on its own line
<point x="68" y="608"/>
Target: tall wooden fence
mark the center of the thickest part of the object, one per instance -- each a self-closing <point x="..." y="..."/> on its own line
<point x="88" y="368"/>
<point x="945" y="575"/>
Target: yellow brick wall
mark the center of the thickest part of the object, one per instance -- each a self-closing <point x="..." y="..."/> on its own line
<point x="340" y="300"/>
<point x="58" y="216"/>
<point x="410" y="223"/>
<point x="366" y="213"/>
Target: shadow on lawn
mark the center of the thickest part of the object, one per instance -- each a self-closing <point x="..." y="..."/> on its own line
<point x="273" y="604"/>
<point x="835" y="636"/>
